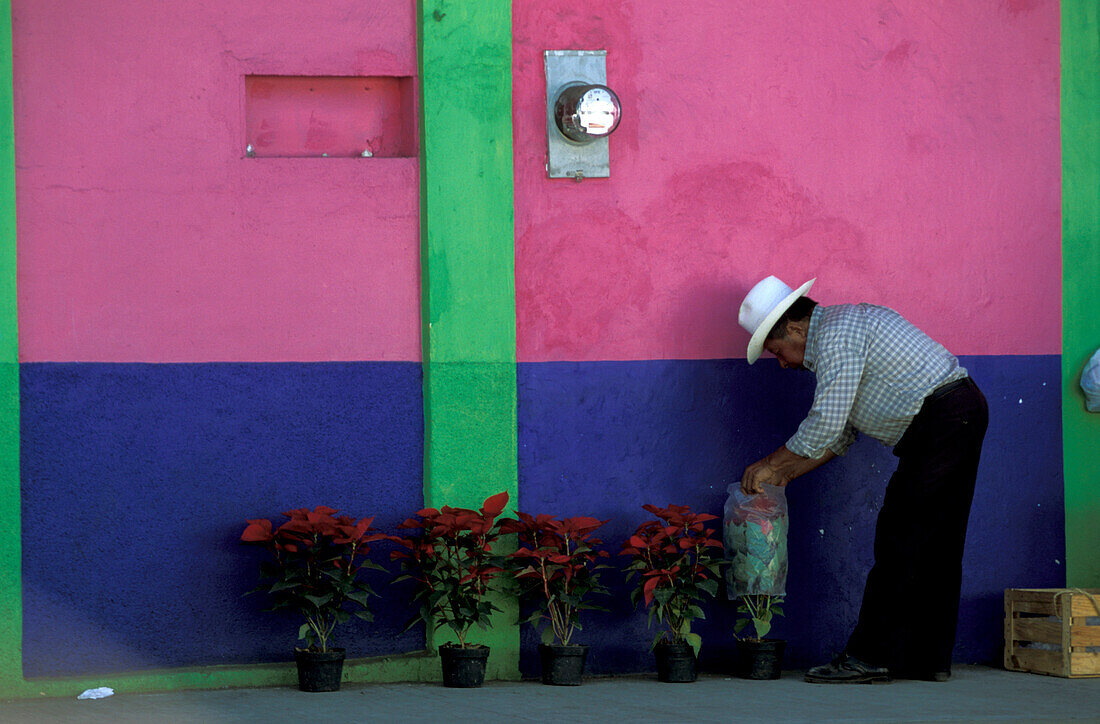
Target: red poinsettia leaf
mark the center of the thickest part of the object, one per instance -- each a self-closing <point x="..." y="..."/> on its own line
<point x="427" y="513"/>
<point x="494" y="504"/>
<point x="512" y="526"/>
<point x="703" y="517"/>
<point x="325" y="510"/>
<point x="648" y="589"/>
<point x="322" y="522"/>
<point x="584" y="521"/>
<point x="295" y="525"/>
<point x="257" y="531"/>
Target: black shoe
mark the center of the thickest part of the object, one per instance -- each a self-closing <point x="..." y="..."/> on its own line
<point x="846" y="669"/>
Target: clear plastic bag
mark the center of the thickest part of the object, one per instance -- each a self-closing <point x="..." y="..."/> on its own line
<point x="754" y="531"/>
<point x="1090" y="383"/>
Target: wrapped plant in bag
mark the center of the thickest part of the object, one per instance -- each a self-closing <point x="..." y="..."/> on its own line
<point x="678" y="567"/>
<point x="557" y="563"/>
<point x="755" y="537"/>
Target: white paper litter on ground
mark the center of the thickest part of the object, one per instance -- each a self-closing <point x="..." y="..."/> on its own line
<point x="100" y="693"/>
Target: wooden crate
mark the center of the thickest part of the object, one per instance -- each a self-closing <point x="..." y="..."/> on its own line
<point x="1046" y="631"/>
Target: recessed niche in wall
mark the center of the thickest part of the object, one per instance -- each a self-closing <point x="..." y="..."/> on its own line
<point x="368" y="116"/>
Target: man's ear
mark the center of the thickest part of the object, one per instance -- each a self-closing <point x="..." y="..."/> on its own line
<point x="797" y="331"/>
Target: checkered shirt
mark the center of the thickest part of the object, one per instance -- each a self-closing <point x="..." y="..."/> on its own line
<point x="873" y="371"/>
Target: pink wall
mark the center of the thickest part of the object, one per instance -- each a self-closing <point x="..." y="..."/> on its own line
<point x="144" y="232"/>
<point x="904" y="153"/>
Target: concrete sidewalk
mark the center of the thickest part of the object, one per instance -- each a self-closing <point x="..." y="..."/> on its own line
<point x="974" y="694"/>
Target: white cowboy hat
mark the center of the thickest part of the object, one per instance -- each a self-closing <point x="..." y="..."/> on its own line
<point x="762" y="308"/>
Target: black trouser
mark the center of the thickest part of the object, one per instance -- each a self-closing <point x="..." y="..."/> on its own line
<point x="911" y="602"/>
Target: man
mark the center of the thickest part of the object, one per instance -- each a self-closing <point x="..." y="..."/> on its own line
<point x="878" y="374"/>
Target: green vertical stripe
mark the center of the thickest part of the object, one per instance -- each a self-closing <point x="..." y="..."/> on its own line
<point x="468" y="267"/>
<point x="1080" y="282"/>
<point x="11" y="605"/>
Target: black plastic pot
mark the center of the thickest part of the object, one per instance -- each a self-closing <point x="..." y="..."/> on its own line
<point x="761" y="659"/>
<point x="463" y="668"/>
<point x="562" y="665"/>
<point x="319" y="671"/>
<point x="675" y="663"/>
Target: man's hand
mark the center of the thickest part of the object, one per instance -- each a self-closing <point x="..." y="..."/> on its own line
<point x="758" y="475"/>
<point x="778" y="469"/>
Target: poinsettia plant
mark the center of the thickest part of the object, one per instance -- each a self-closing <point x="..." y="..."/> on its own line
<point x="450" y="557"/>
<point x="316" y="561"/>
<point x="759" y="609"/>
<point x="557" y="563"/>
<point x="677" y="565"/>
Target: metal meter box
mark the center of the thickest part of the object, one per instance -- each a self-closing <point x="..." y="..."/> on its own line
<point x="581" y="112"/>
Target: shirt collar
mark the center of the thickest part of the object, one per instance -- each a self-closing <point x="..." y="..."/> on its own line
<point x="809" y="357"/>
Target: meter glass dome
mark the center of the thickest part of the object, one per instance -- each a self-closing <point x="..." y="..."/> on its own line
<point x="584" y="113"/>
<point x="597" y="112"/>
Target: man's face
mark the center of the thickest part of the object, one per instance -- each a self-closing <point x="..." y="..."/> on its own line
<point x="789" y="349"/>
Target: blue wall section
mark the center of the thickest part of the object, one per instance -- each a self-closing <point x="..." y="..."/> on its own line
<point x="137" y="480"/>
<point x="603" y="438"/>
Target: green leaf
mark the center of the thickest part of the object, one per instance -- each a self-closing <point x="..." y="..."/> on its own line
<point x="548" y="635"/>
<point x="303" y="630"/>
<point x="695" y="640"/>
<point x="360" y="597"/>
<point x="282" y="585"/>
